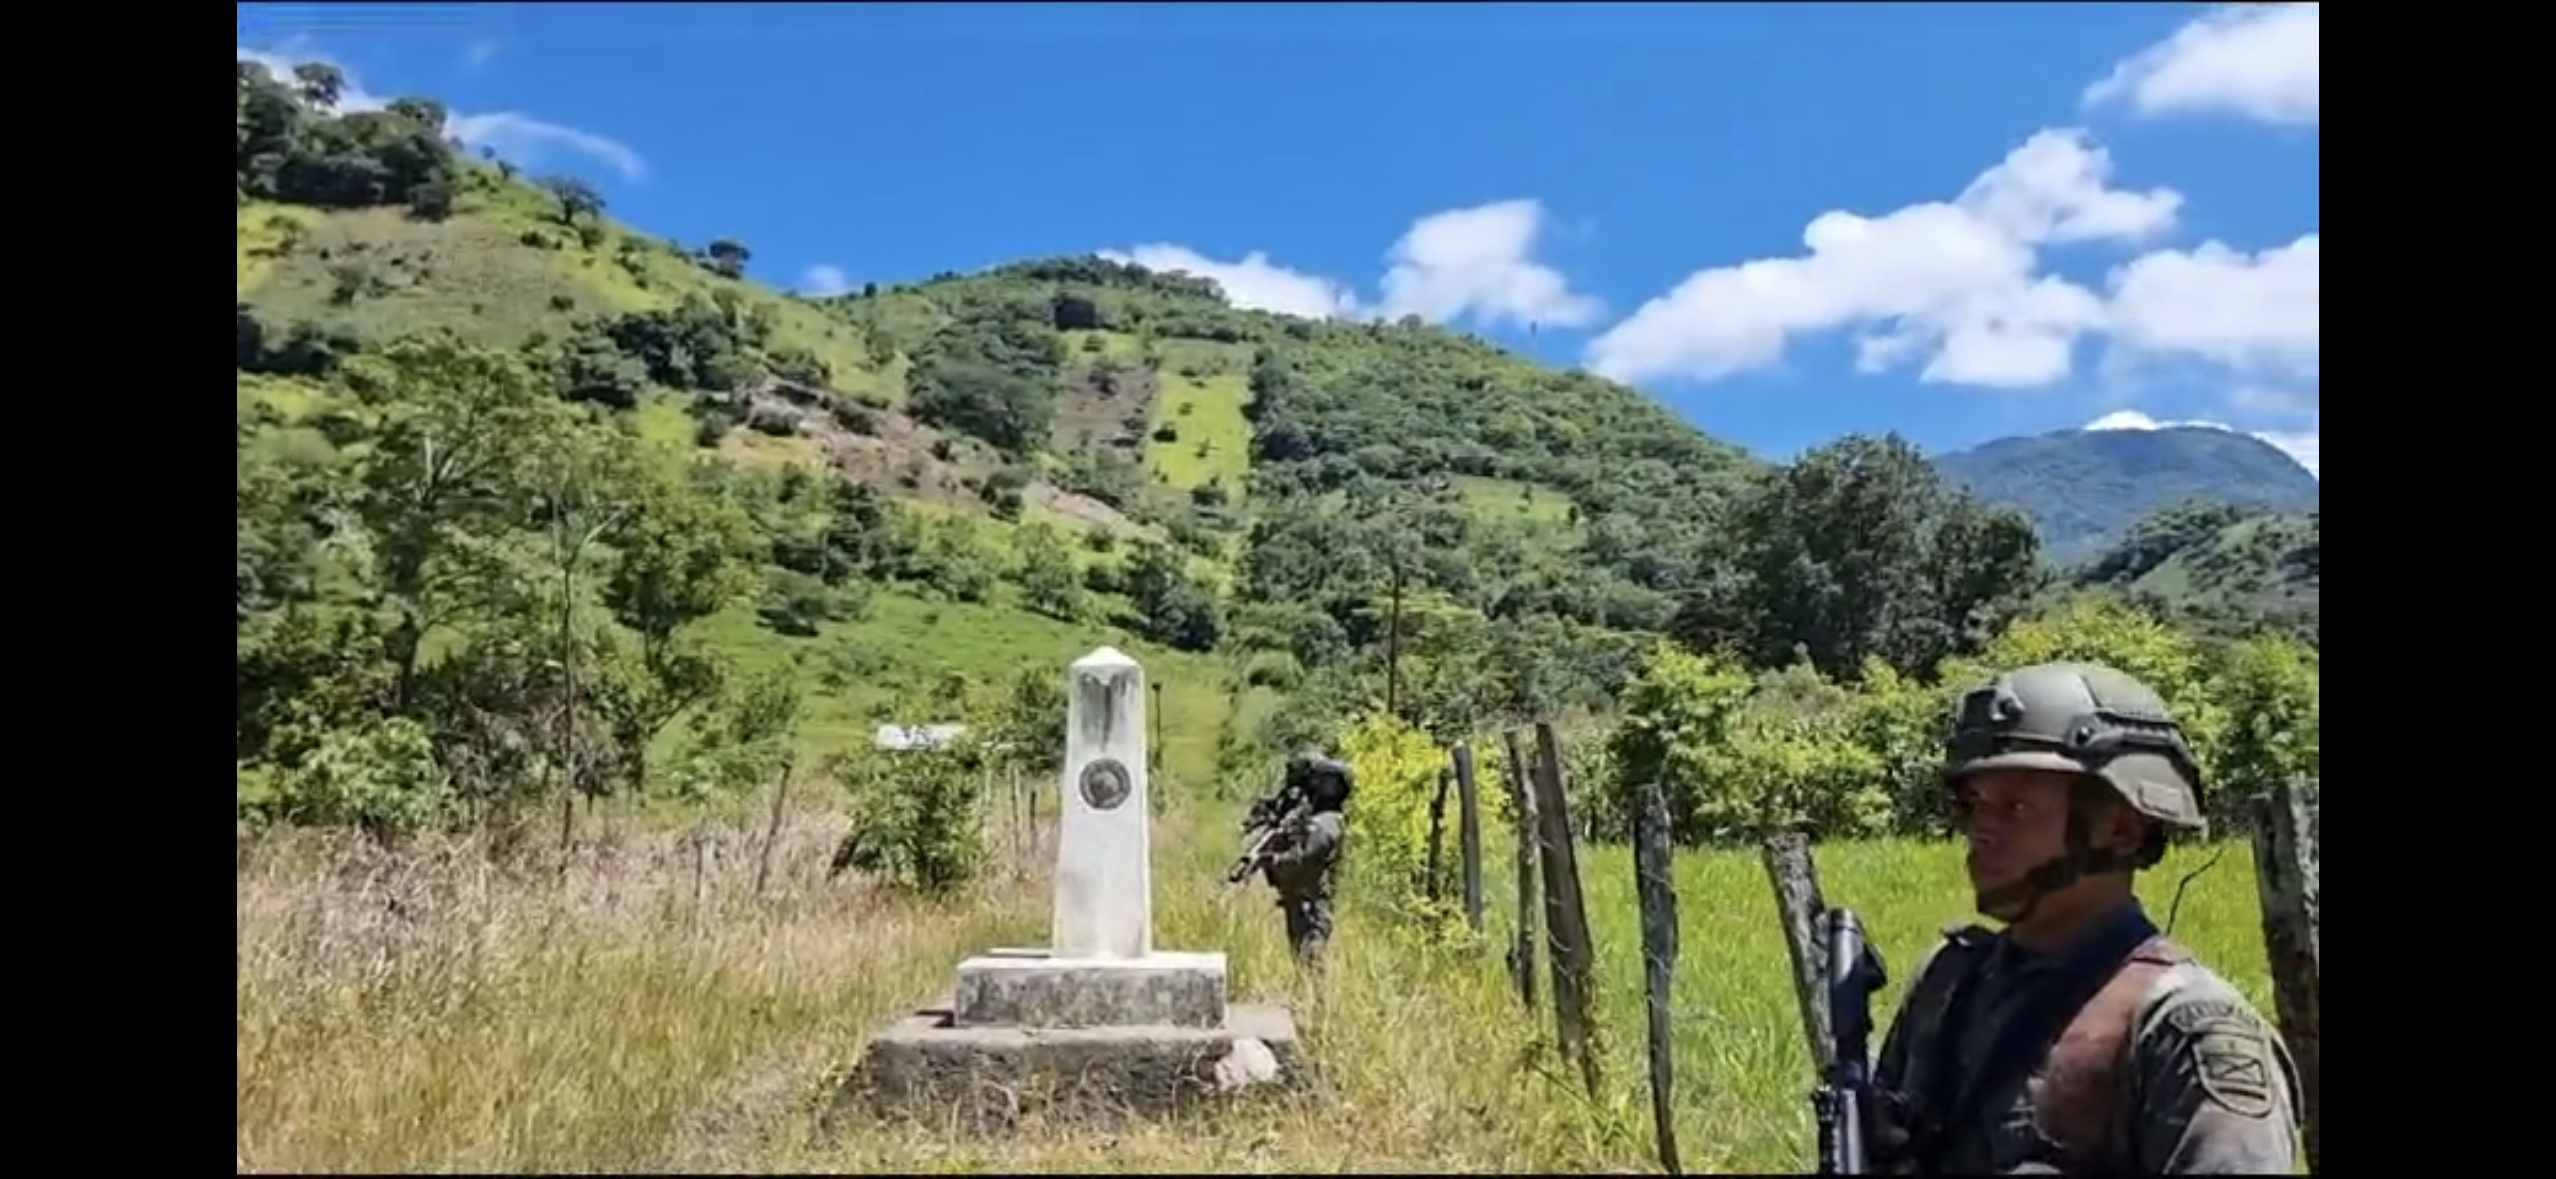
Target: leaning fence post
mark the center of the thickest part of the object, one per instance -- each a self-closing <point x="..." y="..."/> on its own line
<point x="1522" y="802"/>
<point x="1469" y="835"/>
<point x="1566" y="914"/>
<point x="2285" y="874"/>
<point x="1798" y="904"/>
<point x="1655" y="884"/>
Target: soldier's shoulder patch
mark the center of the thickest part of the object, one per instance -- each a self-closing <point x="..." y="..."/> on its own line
<point x="2229" y="1052"/>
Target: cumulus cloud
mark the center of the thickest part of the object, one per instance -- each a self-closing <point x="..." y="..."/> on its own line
<point x="1479" y="262"/>
<point x="1955" y="282"/>
<point x="2254" y="313"/>
<point x="822" y="280"/>
<point x="514" y="135"/>
<point x="2298" y="444"/>
<point x="2258" y="61"/>
<point x="1476" y="263"/>
<point x="1254" y="282"/>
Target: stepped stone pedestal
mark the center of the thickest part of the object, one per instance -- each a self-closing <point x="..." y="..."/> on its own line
<point x="1100" y="1025"/>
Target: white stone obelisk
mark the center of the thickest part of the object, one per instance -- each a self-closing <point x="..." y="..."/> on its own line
<point x="1104" y="849"/>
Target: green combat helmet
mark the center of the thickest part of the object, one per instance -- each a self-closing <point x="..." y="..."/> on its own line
<point x="2082" y="718"/>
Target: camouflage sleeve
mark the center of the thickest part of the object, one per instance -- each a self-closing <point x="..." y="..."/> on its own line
<point x="1322" y="838"/>
<point x="2215" y="1086"/>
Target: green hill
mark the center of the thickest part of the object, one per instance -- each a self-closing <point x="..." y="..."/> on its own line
<point x="2218" y="567"/>
<point x="2084" y="488"/>
<point x="1024" y="462"/>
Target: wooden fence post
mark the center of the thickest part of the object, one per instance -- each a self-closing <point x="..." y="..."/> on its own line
<point x="1655" y="882"/>
<point x="705" y="864"/>
<point x="1798" y="904"/>
<point x="1469" y="835"/>
<point x="1519" y="778"/>
<point x="772" y="830"/>
<point x="2285" y="873"/>
<point x="1566" y="914"/>
<point x="1017" y="803"/>
<point x="1438" y="836"/>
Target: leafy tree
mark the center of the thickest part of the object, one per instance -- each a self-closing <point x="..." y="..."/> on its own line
<point x="1858" y="551"/>
<point x="1048" y="580"/>
<point x="1169" y="605"/>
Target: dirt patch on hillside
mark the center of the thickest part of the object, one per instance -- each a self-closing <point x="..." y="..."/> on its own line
<point x="1107" y="403"/>
<point x="1082" y="510"/>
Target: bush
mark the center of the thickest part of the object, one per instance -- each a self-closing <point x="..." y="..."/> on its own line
<point x="914" y="822"/>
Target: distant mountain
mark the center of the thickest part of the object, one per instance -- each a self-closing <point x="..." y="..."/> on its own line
<point x="2083" y="489"/>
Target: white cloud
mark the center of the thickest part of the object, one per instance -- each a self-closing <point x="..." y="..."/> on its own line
<point x="1480" y="262"/>
<point x="2253" y="313"/>
<point x="516" y="136"/>
<point x="2254" y="60"/>
<point x="2298" y="444"/>
<point x="1475" y="263"/>
<point x="1254" y="283"/>
<point x="1956" y="282"/>
<point x="824" y="279"/>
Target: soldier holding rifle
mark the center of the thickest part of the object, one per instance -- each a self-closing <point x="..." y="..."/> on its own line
<point x="1293" y="838"/>
<point x="2077" y="1039"/>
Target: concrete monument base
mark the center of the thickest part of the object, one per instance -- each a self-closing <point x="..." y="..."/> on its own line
<point x="931" y="1067"/>
<point x="1101" y="1026"/>
<point x="1035" y="988"/>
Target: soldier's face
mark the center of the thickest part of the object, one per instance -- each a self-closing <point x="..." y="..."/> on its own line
<point x="2014" y="820"/>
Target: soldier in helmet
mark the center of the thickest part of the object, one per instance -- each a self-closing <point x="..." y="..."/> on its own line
<point x="1305" y="870"/>
<point x="2077" y="1039"/>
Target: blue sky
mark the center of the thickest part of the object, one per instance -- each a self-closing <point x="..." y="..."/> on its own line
<point x="1786" y="221"/>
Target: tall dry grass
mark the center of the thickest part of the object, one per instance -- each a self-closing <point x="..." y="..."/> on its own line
<point x="445" y="1009"/>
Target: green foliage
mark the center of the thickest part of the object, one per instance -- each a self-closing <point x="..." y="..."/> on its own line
<point x="294" y="146"/>
<point x="382" y="780"/>
<point x="1741" y="755"/>
<point x="1859" y="552"/>
<point x="2217" y="568"/>
<point x="1397" y="770"/>
<point x="2271" y="690"/>
<point x="743" y="741"/>
<point x="473" y="559"/>
<point x="914" y="817"/>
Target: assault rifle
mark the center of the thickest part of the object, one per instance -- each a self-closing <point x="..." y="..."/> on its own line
<point x="1845" y="1102"/>
<point x="1272" y="819"/>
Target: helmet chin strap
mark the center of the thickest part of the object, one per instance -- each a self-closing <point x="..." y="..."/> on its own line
<point x="2014" y="903"/>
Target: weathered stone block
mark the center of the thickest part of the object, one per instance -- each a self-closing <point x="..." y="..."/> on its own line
<point x="990" y="1077"/>
<point x="1031" y="988"/>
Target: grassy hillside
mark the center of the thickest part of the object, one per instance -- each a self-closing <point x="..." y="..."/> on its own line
<point x="2084" y="488"/>
<point x="1023" y="462"/>
<point x="2217" y="567"/>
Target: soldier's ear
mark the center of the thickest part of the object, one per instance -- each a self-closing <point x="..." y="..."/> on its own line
<point x="2123" y="829"/>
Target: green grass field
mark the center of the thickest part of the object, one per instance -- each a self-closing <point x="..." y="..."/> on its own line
<point x="516" y="1024"/>
<point x="1204" y="389"/>
<point x="265" y="232"/>
<point x="861" y="674"/>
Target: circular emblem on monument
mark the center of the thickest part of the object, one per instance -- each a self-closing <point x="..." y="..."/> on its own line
<point x="1104" y="784"/>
